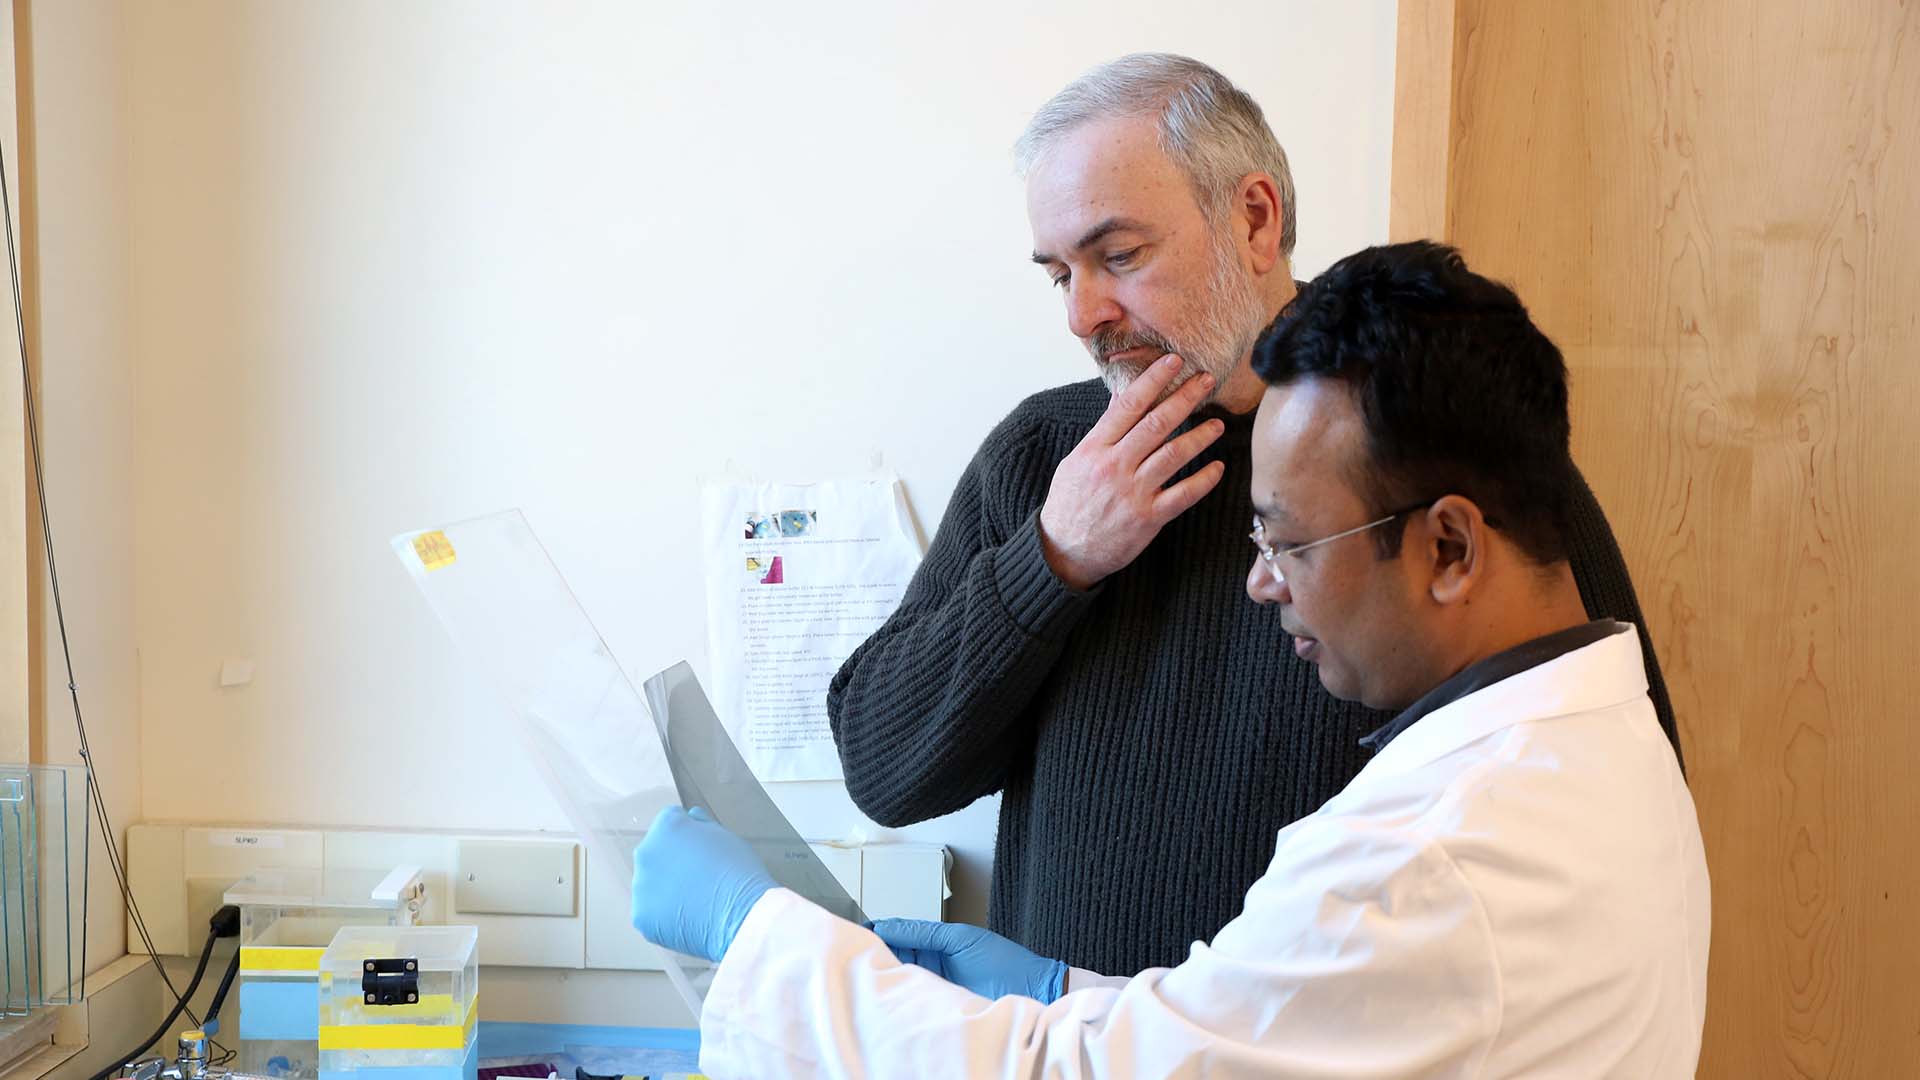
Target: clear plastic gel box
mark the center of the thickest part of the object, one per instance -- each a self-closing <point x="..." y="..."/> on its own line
<point x="400" y="1004"/>
<point x="287" y="919"/>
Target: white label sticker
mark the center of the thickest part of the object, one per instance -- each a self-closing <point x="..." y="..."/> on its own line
<point x="246" y="840"/>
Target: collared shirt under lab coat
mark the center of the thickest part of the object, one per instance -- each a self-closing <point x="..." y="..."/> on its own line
<point x="1515" y="886"/>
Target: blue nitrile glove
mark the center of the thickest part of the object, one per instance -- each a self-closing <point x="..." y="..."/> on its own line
<point x="693" y="883"/>
<point x="981" y="961"/>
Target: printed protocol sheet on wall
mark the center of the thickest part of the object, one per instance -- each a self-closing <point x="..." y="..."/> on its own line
<point x="798" y="575"/>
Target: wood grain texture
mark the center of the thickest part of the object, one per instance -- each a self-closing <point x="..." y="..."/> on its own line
<point x="1422" y="103"/>
<point x="15" y="725"/>
<point x="1712" y="208"/>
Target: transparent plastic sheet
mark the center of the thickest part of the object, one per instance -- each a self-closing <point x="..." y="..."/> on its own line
<point x="609" y="760"/>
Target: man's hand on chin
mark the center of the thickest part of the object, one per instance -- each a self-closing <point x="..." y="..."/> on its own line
<point x="1109" y="497"/>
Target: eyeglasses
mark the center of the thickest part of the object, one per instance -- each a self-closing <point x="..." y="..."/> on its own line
<point x="1271" y="555"/>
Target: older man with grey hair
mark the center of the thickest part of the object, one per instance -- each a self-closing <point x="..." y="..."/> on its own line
<point x="1078" y="638"/>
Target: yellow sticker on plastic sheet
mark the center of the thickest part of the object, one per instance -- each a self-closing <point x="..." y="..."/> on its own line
<point x="434" y="549"/>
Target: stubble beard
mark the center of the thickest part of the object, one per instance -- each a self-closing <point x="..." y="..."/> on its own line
<point x="1229" y="319"/>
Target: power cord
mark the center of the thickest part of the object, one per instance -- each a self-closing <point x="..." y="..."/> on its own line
<point x="225" y="923"/>
<point x="94" y="795"/>
<point x="211" y="1025"/>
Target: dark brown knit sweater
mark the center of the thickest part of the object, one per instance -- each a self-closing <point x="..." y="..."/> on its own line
<point x="1150" y="737"/>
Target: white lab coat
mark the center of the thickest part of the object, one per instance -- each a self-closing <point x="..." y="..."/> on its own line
<point x="1515" y="886"/>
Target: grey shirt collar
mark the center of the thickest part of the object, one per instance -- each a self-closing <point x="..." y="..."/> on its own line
<point x="1484" y="673"/>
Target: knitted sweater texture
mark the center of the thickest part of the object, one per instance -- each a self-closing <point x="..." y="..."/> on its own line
<point x="1150" y="737"/>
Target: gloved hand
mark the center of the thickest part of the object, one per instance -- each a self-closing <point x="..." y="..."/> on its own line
<point x="693" y="883"/>
<point x="967" y="956"/>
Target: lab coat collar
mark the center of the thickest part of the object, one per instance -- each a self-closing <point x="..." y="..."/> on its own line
<point x="1484" y="673"/>
<point x="1605" y="674"/>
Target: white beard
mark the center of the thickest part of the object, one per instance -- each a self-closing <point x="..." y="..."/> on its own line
<point x="1219" y="336"/>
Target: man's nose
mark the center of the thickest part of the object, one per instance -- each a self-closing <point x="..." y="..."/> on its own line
<point x="1264" y="586"/>
<point x="1090" y="306"/>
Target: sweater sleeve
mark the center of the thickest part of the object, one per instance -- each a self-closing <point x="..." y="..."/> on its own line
<point x="923" y="710"/>
<point x="1607" y="591"/>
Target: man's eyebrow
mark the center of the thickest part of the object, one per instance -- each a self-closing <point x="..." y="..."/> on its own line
<point x="1093" y="236"/>
<point x="1271" y="511"/>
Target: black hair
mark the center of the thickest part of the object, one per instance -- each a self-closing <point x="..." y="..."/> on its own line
<point x="1460" y="393"/>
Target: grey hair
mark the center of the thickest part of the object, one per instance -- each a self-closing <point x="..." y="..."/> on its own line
<point x="1214" y="132"/>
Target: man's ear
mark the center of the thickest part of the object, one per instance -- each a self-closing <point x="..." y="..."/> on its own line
<point x="1258" y="202"/>
<point x="1457" y="543"/>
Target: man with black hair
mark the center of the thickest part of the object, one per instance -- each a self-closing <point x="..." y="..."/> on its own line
<point x="1513" y="886"/>
<point x="1077" y="640"/>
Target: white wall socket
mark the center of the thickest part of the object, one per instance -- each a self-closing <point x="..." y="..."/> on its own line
<point x="535" y="898"/>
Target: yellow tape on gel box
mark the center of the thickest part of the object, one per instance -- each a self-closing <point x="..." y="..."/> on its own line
<point x="401" y="1036"/>
<point x="279" y="959"/>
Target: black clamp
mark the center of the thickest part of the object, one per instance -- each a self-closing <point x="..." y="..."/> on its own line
<point x="391" y="982"/>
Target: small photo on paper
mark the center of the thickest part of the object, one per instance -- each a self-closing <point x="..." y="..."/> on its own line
<point x="797" y="522"/>
<point x="762" y="527"/>
<point x="766" y="569"/>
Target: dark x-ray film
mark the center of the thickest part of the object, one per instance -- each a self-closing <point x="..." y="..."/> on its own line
<point x="611" y="757"/>
<point x="709" y="771"/>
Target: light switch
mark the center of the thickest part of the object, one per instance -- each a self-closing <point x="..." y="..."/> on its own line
<point x="516" y="877"/>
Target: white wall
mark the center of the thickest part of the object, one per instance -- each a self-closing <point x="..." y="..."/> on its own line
<point x="75" y="116"/>
<point x="391" y="265"/>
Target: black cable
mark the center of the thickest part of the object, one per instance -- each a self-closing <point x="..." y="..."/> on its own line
<point x="213" y="934"/>
<point x="209" y="1025"/>
<point x="95" y="794"/>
